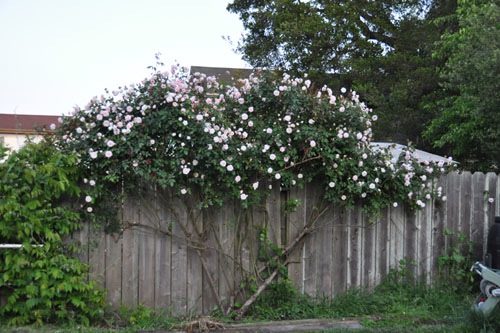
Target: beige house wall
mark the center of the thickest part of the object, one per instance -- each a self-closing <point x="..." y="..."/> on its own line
<point x="16" y="141"/>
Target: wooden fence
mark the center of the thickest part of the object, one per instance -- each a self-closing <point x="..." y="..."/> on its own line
<point x="174" y="257"/>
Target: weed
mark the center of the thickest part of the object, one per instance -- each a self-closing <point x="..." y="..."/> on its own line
<point x="142" y="317"/>
<point x="454" y="265"/>
<point x="281" y="301"/>
<point x="403" y="274"/>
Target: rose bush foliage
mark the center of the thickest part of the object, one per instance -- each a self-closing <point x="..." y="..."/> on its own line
<point x="194" y="134"/>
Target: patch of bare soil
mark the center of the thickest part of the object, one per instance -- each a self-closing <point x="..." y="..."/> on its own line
<point x="308" y="325"/>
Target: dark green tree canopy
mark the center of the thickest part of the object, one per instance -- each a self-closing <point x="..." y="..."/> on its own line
<point x="320" y="35"/>
<point x="469" y="123"/>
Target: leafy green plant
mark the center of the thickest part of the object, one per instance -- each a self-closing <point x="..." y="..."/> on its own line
<point x="402" y="274"/>
<point x="39" y="199"/>
<point x="292" y="205"/>
<point x="280" y="301"/>
<point x="141" y="317"/>
<point x="270" y="254"/>
<point x="455" y="263"/>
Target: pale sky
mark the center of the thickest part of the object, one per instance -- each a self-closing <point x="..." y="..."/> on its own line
<point x="56" y="54"/>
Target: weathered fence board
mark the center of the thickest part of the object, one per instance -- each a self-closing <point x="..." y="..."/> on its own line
<point x="369" y="247"/>
<point x="382" y="245"/>
<point x="113" y="268"/>
<point x="476" y="208"/>
<point x="179" y="277"/>
<point x="340" y="251"/>
<point x="177" y="258"/>
<point x="210" y="272"/>
<point x="295" y="222"/>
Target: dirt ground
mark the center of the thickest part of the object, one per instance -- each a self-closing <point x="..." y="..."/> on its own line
<point x="276" y="326"/>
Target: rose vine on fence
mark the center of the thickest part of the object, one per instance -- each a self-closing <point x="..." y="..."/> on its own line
<point x="231" y="140"/>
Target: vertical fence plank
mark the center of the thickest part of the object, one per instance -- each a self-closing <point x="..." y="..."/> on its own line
<point x="113" y="270"/>
<point x="247" y="227"/>
<point x="340" y="251"/>
<point x="227" y="222"/>
<point x="149" y="220"/>
<point x="179" y="259"/>
<point x="273" y="215"/>
<point x="324" y="260"/>
<point x="81" y="239"/>
<point x="130" y="269"/>
<point x="163" y="279"/>
<point x="147" y="266"/>
<point x="453" y="206"/>
<point x="315" y="210"/>
<point x="97" y="257"/>
<point x="195" y="268"/>
<point x="296" y="221"/>
<point x="410" y="244"/>
<point x="163" y="252"/>
<point x="130" y="281"/>
<point x="477" y="217"/>
<point x="426" y="240"/>
<point x="397" y="227"/>
<point x="210" y="291"/>
<point x="369" y="254"/>
<point x="439" y="217"/>
<point x="493" y="194"/>
<point x="466" y="202"/>
<point x="310" y="274"/>
<point x="194" y="282"/>
<point x="382" y="249"/>
<point x="179" y="276"/>
<point x="355" y="249"/>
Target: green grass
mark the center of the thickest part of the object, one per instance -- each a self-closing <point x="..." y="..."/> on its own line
<point x="390" y="307"/>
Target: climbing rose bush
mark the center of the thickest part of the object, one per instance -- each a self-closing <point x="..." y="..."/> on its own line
<point x="194" y="134"/>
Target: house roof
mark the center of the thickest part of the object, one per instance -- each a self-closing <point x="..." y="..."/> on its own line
<point x="25" y="124"/>
<point x="397" y="149"/>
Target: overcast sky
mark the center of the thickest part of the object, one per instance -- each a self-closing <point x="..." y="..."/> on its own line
<point x="59" y="53"/>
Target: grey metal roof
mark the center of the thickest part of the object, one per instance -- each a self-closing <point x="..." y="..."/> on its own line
<point x="396" y="150"/>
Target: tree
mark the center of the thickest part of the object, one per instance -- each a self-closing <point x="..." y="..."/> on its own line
<point x="319" y="35"/>
<point x="469" y="125"/>
<point x="382" y="49"/>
